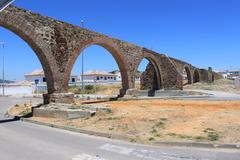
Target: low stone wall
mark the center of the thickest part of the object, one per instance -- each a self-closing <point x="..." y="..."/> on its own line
<point x="61" y="114"/>
<point x="67" y="111"/>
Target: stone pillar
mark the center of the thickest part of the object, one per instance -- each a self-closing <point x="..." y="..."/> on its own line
<point x="122" y="92"/>
<point x="211" y="76"/>
<point x="58" y="98"/>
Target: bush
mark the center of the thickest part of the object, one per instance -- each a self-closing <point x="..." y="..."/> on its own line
<point x="75" y="89"/>
<point x="89" y="87"/>
<point x="92" y="89"/>
<point x="212" y="135"/>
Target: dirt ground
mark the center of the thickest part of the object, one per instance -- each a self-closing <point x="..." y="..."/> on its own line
<point x="148" y="121"/>
<point x="20" y="109"/>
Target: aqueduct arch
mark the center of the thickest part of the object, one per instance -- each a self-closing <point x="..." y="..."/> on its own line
<point x="58" y="44"/>
<point x="196" y="76"/>
<point x="27" y="34"/>
<point x="188" y="74"/>
<point x="111" y="48"/>
<point x="151" y="77"/>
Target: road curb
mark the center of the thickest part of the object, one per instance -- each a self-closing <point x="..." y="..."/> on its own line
<point x="118" y="137"/>
<point x="78" y="130"/>
<point x="200" y="145"/>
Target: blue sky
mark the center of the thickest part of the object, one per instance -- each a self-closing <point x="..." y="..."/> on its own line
<point x="202" y="32"/>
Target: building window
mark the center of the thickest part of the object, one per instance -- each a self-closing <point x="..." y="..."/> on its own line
<point x="115" y="78"/>
<point x="105" y="78"/>
<point x="101" y="77"/>
<point x="73" y="80"/>
<point x="97" y="78"/>
<point x="44" y="79"/>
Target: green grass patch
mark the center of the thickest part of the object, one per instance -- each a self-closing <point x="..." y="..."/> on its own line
<point x="25" y="112"/>
<point x="212" y="135"/>
<point x="151" y="139"/>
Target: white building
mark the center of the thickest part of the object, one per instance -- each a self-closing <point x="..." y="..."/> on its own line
<point x="104" y="76"/>
<point x="118" y="74"/>
<point x="99" y="76"/>
<point x="230" y="74"/>
<point x="38" y="75"/>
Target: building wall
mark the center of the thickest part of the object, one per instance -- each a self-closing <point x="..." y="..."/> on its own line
<point x="40" y="78"/>
<point x="107" y="78"/>
<point x="118" y="77"/>
<point x="33" y="78"/>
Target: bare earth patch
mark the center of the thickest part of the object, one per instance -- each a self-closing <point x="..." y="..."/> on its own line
<point x="20" y="109"/>
<point x="147" y="121"/>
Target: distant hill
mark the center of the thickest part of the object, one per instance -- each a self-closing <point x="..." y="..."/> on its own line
<point x="6" y="81"/>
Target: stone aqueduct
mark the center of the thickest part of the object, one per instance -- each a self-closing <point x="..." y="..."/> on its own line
<point x="58" y="44"/>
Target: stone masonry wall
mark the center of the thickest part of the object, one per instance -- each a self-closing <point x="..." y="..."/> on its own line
<point x="171" y="79"/>
<point x="148" y="79"/>
<point x="58" y="45"/>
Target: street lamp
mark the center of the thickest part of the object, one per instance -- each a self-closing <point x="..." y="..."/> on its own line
<point x="4" y="4"/>
<point x="82" y="23"/>
<point x="95" y="83"/>
<point x="3" y="67"/>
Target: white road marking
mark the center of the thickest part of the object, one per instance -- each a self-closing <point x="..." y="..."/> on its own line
<point x="117" y="149"/>
<point x="146" y="154"/>
<point x="87" y="157"/>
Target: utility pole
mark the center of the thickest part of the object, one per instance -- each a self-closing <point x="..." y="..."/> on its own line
<point x="82" y="23"/>
<point x="3" y="67"/>
<point x="5" y="3"/>
<point x="95" y="82"/>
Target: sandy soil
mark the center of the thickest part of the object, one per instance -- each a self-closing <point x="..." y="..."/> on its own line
<point x="147" y="121"/>
<point x="20" y="109"/>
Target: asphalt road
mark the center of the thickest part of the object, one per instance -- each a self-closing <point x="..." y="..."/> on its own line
<point x="26" y="141"/>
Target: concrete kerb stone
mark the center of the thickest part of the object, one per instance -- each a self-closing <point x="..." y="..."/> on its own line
<point x="163" y="97"/>
<point x="124" y="138"/>
<point x="162" y="94"/>
<point x="200" y="145"/>
<point x="78" y="130"/>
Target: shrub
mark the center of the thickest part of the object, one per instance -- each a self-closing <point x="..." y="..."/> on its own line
<point x="151" y="139"/>
<point x="212" y="135"/>
<point x="89" y="87"/>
